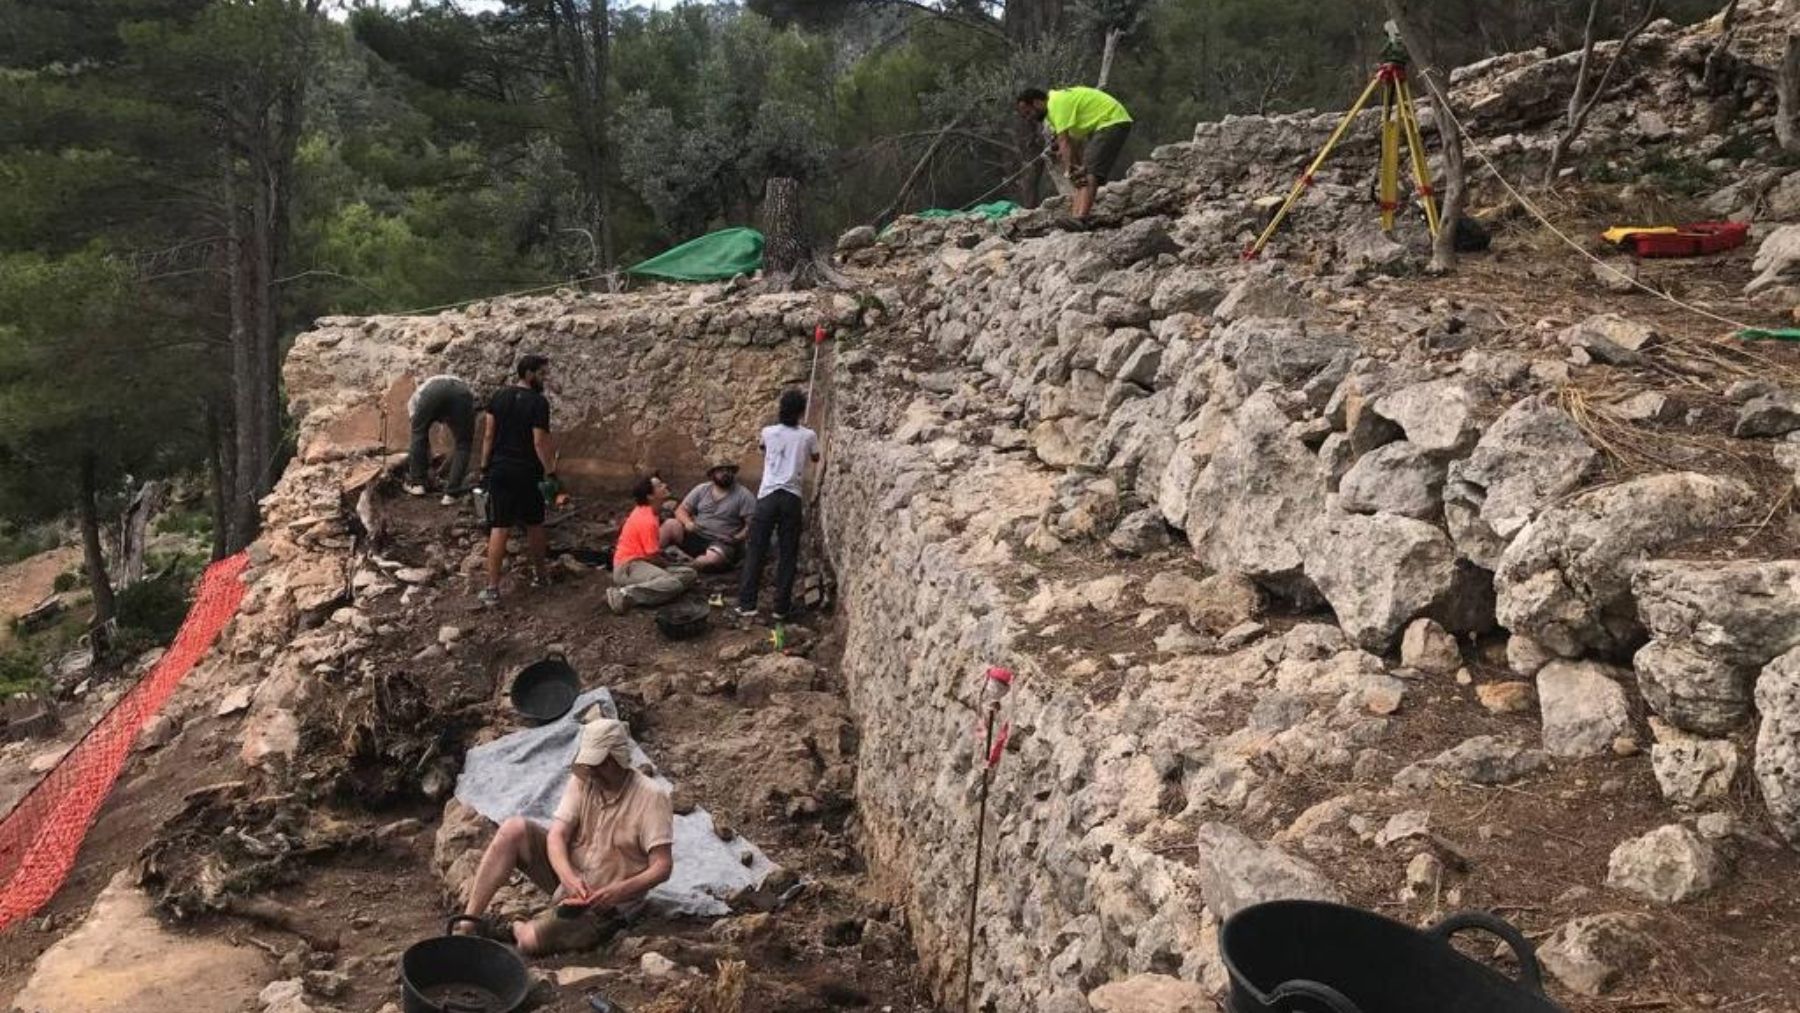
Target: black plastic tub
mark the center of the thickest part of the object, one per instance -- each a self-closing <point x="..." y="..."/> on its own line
<point x="1312" y="957"/>
<point x="543" y="691"/>
<point x="462" y="974"/>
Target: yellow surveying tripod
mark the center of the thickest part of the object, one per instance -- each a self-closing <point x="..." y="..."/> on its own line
<point x="1399" y="119"/>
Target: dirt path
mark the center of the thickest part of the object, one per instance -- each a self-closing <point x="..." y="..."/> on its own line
<point x="29" y="581"/>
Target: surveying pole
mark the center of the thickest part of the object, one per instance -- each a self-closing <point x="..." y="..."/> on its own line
<point x="1399" y="123"/>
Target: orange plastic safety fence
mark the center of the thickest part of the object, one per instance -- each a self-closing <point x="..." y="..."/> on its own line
<point x="41" y="835"/>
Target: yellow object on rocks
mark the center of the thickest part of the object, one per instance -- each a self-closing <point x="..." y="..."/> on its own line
<point x="1621" y="233"/>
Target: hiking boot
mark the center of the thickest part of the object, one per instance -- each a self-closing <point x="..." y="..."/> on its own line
<point x="744" y="613"/>
<point x="448" y="500"/>
<point x="414" y="489"/>
<point x="487" y="597"/>
<point x="616" y="600"/>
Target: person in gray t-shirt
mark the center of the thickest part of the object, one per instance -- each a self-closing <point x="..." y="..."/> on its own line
<point x="712" y="522"/>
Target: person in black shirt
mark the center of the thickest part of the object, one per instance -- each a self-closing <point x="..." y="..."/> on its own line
<point x="517" y="454"/>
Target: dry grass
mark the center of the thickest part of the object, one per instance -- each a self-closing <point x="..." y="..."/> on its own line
<point x="725" y="994"/>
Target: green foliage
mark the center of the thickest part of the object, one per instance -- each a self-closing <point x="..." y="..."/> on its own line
<point x="66" y="581"/>
<point x="194" y="523"/>
<point x="22" y="542"/>
<point x="155" y="607"/>
<point x="21" y="671"/>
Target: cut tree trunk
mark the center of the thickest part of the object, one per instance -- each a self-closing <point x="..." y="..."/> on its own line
<point x="1106" y="56"/>
<point x="93" y="557"/>
<point x="1787" y="93"/>
<point x="135" y="531"/>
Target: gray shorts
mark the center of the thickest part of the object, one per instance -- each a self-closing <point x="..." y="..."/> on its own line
<point x="1101" y="155"/>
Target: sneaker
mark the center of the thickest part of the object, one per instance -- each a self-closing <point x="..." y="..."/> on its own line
<point x="744" y="613"/>
<point x="616" y="600"/>
<point x="781" y="617"/>
<point x="448" y="500"/>
<point x="414" y="490"/>
<point x="488" y="597"/>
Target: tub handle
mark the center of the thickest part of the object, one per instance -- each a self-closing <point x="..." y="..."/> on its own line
<point x="1300" y="988"/>
<point x="455" y="920"/>
<point x="1531" y="975"/>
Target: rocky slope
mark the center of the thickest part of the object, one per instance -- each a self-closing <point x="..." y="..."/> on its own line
<point x="1322" y="578"/>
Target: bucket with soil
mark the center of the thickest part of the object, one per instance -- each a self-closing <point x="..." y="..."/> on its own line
<point x="462" y="974"/>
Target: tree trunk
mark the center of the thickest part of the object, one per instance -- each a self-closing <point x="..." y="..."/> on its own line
<point x="249" y="452"/>
<point x="93" y="557"/>
<point x="1787" y="94"/>
<point x="581" y="35"/>
<point x="135" y="531"/>
<point x="1106" y="56"/>
<point x="1581" y="101"/>
<point x="1027" y="21"/>
<point x="785" y="248"/>
<point x="1419" y="46"/>
<point x="218" y="457"/>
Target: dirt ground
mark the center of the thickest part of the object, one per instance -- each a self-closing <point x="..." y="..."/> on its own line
<point x="29" y="581"/>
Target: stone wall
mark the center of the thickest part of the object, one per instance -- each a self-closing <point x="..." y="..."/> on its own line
<point x="667" y="379"/>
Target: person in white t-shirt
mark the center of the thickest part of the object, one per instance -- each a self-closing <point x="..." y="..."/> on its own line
<point x="788" y="447"/>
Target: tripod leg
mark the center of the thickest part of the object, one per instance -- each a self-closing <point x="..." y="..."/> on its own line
<point x="1390" y="157"/>
<point x="1415" y="143"/>
<point x="1305" y="180"/>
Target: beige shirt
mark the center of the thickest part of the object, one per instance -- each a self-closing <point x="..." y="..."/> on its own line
<point x="611" y="842"/>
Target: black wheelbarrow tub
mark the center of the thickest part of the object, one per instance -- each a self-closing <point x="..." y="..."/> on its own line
<point x="1312" y="957"/>
<point x="545" y="690"/>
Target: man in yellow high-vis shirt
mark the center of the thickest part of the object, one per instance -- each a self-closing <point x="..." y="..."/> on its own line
<point x="1090" y="127"/>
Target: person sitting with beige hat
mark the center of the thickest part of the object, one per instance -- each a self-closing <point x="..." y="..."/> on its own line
<point x="610" y="843"/>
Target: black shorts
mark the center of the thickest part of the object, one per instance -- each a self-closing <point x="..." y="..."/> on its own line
<point x="514" y="499"/>
<point x="1103" y="149"/>
<point x="695" y="544"/>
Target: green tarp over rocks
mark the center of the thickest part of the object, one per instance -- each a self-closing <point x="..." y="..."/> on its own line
<point x="716" y="256"/>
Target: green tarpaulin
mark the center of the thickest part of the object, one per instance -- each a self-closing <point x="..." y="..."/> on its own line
<point x="991" y="211"/>
<point x="713" y="257"/>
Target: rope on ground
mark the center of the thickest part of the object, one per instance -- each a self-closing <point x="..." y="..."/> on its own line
<point x="41" y="835"/>
<point x="1543" y="219"/>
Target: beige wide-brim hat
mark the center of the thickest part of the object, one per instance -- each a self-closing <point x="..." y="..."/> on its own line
<point x="603" y="738"/>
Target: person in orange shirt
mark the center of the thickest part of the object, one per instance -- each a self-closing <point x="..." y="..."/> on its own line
<point x="639" y="578"/>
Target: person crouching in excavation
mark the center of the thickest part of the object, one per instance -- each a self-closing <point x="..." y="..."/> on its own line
<point x="638" y="577"/>
<point x="1090" y="127"/>
<point x="610" y="843"/>
<point x="449" y="400"/>
<point x="712" y="523"/>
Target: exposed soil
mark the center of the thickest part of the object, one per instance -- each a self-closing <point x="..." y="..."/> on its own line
<point x="29" y="581"/>
<point x="375" y="889"/>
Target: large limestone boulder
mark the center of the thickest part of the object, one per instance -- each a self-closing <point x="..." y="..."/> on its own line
<point x="1667" y="865"/>
<point x="1583" y="707"/>
<point x="1593" y="954"/>
<point x="1778" y="743"/>
<point x="1252" y="506"/>
<point x="1151" y="993"/>
<point x="1777" y="260"/>
<point x="1566" y="580"/>
<point x="121" y="960"/>
<point x="1283" y="352"/>
<point x="1531" y="455"/>
<point x="1713" y="627"/>
<point x="1437" y="416"/>
<point x="1236" y="872"/>
<point x="1380" y="572"/>
<point x="1399" y="478"/>
<point x="1690" y="770"/>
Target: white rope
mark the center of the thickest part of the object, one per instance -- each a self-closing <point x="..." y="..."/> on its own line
<point x="1537" y="213"/>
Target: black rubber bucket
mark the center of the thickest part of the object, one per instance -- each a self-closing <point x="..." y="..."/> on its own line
<point x="545" y="690"/>
<point x="1310" y="957"/>
<point x="683" y="620"/>
<point x="462" y="974"/>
